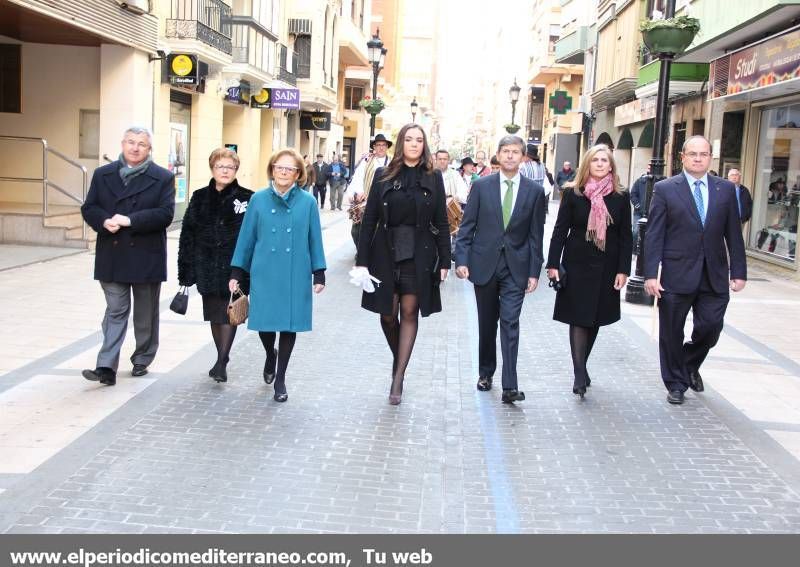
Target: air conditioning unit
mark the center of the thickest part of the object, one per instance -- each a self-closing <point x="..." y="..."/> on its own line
<point x="585" y="104"/>
<point x="135" y="6"/>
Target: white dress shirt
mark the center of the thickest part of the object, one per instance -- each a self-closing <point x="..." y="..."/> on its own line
<point x="356" y="186"/>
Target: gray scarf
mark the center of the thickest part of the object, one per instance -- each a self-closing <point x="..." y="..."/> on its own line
<point x="127" y="173"/>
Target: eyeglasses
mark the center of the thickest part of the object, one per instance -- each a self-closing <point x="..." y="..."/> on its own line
<point x="135" y="144"/>
<point x="694" y="155"/>
<point x="285" y="168"/>
<point x="221" y="167"/>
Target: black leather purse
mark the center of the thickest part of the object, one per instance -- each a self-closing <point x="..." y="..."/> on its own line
<point x="180" y="303"/>
<point x="561" y="282"/>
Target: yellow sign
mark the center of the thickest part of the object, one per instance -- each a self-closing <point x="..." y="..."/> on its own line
<point x="182" y="65"/>
<point x="262" y="97"/>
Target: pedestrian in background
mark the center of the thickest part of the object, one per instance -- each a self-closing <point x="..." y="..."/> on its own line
<point x="482" y="169"/>
<point x="564" y="176"/>
<point x="638" y="198"/>
<point x="694" y="232"/>
<point x="311" y="175"/>
<point x="405" y="243"/>
<point x="208" y="237"/>
<point x="499" y="249"/>
<point x="280" y="247"/>
<point x="744" y="201"/>
<point x="592" y="242"/>
<point x="338" y="181"/>
<point x="495" y="164"/>
<point x="322" y="172"/>
<point x="130" y="204"/>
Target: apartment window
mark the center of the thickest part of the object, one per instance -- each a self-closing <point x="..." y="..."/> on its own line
<point x="10" y="78"/>
<point x="352" y="96"/>
<point x="303" y="47"/>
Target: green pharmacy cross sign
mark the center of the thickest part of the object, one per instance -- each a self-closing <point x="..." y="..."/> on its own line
<point x="560" y="102"/>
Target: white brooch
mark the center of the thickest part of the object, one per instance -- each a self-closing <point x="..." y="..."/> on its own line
<point x="239" y="207"/>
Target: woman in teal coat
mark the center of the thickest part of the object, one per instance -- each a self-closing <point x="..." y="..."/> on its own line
<point x="280" y="246"/>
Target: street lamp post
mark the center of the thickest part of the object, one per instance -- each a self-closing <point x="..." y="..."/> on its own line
<point x="414" y="107"/>
<point x="513" y="94"/>
<point x="377" y="56"/>
<point x="635" y="292"/>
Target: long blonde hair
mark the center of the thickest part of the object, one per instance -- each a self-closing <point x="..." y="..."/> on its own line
<point x="582" y="175"/>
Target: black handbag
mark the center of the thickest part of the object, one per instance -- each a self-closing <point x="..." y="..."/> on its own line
<point x="561" y="282"/>
<point x="181" y="301"/>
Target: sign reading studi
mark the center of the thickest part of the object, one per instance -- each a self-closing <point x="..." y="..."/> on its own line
<point x="315" y="120"/>
<point x="182" y="69"/>
<point x="635" y="111"/>
<point x="773" y="61"/>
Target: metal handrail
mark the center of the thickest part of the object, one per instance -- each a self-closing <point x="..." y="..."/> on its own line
<point x="46" y="150"/>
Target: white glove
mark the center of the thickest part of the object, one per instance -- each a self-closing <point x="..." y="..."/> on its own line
<point x="361" y="277"/>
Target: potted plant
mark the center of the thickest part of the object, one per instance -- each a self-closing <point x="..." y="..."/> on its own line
<point x="372" y="106"/>
<point x="512" y="128"/>
<point x="670" y="35"/>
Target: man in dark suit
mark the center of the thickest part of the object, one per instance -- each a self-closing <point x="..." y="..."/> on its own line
<point x="130" y="204"/>
<point x="322" y="172"/>
<point x="693" y="220"/>
<point x="499" y="248"/>
<point x="744" y="201"/>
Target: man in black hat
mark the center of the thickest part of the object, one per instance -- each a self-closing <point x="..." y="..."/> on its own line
<point x="468" y="175"/>
<point x="364" y="174"/>
<point x="322" y="172"/>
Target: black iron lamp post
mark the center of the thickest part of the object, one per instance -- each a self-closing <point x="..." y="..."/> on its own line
<point x="513" y="94"/>
<point x="377" y="56"/>
<point x="414" y="107"/>
<point x="635" y="292"/>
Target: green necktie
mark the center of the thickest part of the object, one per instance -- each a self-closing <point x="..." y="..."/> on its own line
<point x="508" y="202"/>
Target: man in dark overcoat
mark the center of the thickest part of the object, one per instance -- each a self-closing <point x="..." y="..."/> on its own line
<point x="693" y="231"/>
<point x="499" y="248"/>
<point x="130" y="204"/>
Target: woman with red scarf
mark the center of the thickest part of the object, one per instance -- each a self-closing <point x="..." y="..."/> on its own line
<point x="591" y="243"/>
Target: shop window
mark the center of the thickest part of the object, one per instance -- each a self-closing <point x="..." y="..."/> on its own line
<point x="777" y="183"/>
<point x="10" y="78"/>
<point x="303" y="47"/>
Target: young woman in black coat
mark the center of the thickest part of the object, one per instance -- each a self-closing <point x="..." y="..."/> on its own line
<point x="405" y="243"/>
<point x="592" y="241"/>
<point x="208" y="237"/>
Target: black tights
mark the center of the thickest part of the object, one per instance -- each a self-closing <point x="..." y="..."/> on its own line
<point x="285" y="346"/>
<point x="581" y="341"/>
<point x="223" y="339"/>
<point x="401" y="334"/>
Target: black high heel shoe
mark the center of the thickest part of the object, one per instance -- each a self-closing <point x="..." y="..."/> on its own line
<point x="269" y="369"/>
<point x="280" y="394"/>
<point x="579" y="389"/>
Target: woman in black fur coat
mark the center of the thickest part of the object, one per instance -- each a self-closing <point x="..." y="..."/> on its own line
<point x="208" y="237"/>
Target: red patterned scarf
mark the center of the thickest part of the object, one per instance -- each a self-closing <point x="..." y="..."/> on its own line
<point x="599" y="218"/>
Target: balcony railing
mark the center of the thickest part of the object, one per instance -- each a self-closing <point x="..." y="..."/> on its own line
<point x="287" y="65"/>
<point x="205" y="20"/>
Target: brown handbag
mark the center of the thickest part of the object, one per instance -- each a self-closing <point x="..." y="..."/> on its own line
<point x="238" y="308"/>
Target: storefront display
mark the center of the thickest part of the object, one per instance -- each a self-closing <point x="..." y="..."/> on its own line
<point x="777" y="197"/>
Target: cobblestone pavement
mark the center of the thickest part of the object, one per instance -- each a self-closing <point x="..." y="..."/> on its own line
<point x="181" y="453"/>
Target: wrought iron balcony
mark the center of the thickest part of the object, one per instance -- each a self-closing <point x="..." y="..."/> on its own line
<point x="208" y="21"/>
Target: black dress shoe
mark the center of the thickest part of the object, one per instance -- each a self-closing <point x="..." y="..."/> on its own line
<point x="218" y="372"/>
<point x="269" y="369"/>
<point x="485" y="383"/>
<point x="139" y="370"/>
<point x="510" y="396"/>
<point x="696" y="381"/>
<point x="101" y="374"/>
<point x="675" y="397"/>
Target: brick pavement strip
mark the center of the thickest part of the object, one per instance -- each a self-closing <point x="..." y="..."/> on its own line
<point x="337" y="458"/>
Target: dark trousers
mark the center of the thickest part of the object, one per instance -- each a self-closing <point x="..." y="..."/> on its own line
<point x="115" y="322"/>
<point x="319" y="194"/>
<point x="499" y="300"/>
<point x="708" y="312"/>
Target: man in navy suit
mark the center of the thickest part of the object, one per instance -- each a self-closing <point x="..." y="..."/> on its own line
<point x="692" y="229"/>
<point x="130" y="204"/>
<point x="744" y="200"/>
<point x="499" y="248"/>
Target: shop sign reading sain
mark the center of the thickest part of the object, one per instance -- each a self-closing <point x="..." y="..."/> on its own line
<point x="284" y="99"/>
